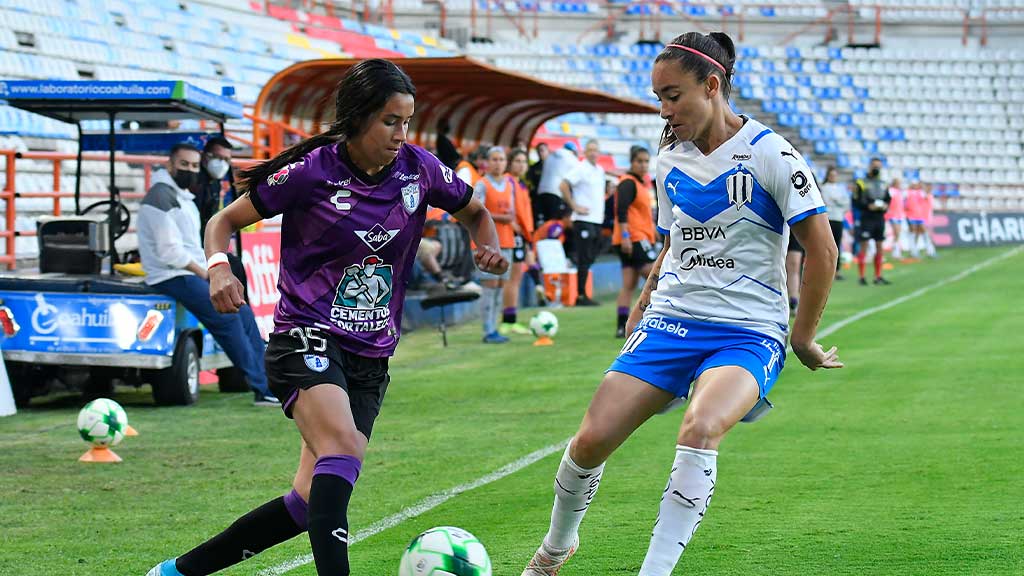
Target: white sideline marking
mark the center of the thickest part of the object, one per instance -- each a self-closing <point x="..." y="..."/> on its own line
<point x="435" y="500"/>
<point x="897" y="301"/>
<point x="427" y="504"/>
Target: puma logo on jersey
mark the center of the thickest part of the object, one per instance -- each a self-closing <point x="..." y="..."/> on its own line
<point x="791" y="153"/>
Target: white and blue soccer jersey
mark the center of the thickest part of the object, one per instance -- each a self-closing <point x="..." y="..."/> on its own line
<point x="728" y="215"/>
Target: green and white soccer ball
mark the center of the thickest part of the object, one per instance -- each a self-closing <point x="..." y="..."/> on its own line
<point x="445" y="551"/>
<point x="544" y="323"/>
<point x="102" y="422"/>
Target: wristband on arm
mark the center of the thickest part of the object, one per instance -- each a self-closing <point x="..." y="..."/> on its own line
<point x="216" y="260"/>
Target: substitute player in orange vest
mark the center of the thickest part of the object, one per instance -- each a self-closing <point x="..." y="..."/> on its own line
<point x="497" y="192"/>
<point x="522" y="252"/>
<point x="633" y="234"/>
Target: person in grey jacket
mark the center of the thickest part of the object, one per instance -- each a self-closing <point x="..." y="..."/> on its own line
<point x="837" y="199"/>
<point x="175" y="265"/>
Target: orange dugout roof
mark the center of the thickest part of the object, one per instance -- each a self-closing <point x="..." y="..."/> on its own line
<point x="482" y="103"/>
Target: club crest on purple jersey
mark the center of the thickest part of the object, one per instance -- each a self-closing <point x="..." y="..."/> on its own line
<point x="377" y="236"/>
<point x="411" y="197"/>
<point x="362" y="297"/>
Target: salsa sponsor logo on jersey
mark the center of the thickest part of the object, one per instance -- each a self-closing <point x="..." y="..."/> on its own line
<point x="447" y="174"/>
<point x="376" y="237"/>
<point x="690" y="258"/>
<point x="362" y="297"/>
<point x="700" y="233"/>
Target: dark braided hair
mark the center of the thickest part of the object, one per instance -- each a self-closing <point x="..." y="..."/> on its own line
<point x="365" y="89"/>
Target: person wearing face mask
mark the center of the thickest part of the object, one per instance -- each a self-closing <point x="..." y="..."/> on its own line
<point x="175" y="265"/>
<point x="871" y="198"/>
<point x="215" y="167"/>
<point x="215" y="164"/>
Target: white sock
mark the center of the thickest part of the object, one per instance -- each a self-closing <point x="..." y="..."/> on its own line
<point x="929" y="246"/>
<point x="683" y="504"/>
<point x="915" y="247"/>
<point x="575" y="488"/>
<point x="897" y="250"/>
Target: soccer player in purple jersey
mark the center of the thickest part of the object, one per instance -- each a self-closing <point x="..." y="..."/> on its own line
<point x="353" y="202"/>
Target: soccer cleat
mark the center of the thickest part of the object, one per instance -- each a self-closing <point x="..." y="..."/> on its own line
<point x="494" y="338"/>
<point x="585" y="301"/>
<point x="266" y="400"/>
<point x="542" y="298"/>
<point x="881" y="280"/>
<point x="507" y="328"/>
<point x="620" y="332"/>
<point x="165" y="568"/>
<point x="863" y="282"/>
<point x="547" y="563"/>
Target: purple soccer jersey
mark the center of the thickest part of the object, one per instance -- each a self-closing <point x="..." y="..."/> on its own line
<point x="348" y="244"/>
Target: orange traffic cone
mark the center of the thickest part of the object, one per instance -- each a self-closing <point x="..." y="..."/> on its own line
<point x="129" y="431"/>
<point x="100" y="454"/>
<point x="544" y="341"/>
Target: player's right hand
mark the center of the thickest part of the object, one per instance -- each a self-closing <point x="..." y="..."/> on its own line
<point x="814" y="356"/>
<point x="627" y="246"/>
<point x="637" y="313"/>
<point x="226" y="291"/>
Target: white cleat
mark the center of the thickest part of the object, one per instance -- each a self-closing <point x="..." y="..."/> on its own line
<point x="547" y="563"/>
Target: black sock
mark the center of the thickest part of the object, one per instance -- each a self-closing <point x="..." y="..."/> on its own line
<point x="333" y="480"/>
<point x="262" y="528"/>
<point x="509" y="316"/>
<point x="535" y="275"/>
<point x="623" y="313"/>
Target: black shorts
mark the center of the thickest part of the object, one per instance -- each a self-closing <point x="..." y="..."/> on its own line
<point x="294" y="363"/>
<point x="794" y="244"/>
<point x="871" y="229"/>
<point x="643" y="254"/>
<point x="519" y="250"/>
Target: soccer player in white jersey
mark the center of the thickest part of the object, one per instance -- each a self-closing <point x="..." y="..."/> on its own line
<point x="711" y="323"/>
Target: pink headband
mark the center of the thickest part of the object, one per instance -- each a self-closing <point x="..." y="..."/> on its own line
<point x="701" y="54"/>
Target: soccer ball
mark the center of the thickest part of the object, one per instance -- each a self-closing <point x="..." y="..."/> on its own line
<point x="445" y="551"/>
<point x="102" y="422"/>
<point x="544" y="324"/>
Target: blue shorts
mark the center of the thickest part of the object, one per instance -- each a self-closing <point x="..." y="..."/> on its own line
<point x="671" y="354"/>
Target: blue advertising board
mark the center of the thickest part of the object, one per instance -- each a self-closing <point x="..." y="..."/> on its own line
<point x="91" y="323"/>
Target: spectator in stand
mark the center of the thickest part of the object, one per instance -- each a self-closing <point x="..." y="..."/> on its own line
<point x="583" y="190"/>
<point x="633" y="234"/>
<point x="496" y="192"/>
<point x="522" y="252"/>
<point x="446" y="151"/>
<point x="895" y="215"/>
<point x="871" y="199"/>
<point x="175" y="265"/>
<point x="837" y="199"/>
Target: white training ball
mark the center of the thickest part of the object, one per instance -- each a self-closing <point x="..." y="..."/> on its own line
<point x="102" y="422"/>
<point x="445" y="551"/>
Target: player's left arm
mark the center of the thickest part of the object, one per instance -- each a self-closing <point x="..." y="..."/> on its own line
<point x="792" y="184"/>
<point x="815" y="236"/>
